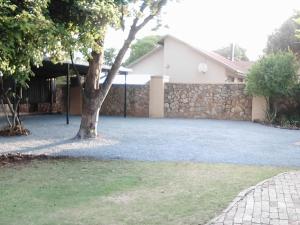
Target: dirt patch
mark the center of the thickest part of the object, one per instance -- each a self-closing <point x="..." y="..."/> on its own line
<point x="121" y="199"/>
<point x="275" y="125"/>
<point x="16" y="158"/>
<point x="14" y="131"/>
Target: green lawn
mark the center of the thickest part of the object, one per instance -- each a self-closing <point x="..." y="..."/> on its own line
<point x="120" y="192"/>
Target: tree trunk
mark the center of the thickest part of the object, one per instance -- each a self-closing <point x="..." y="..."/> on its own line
<point x="93" y="95"/>
<point x="91" y="99"/>
<point x="89" y="119"/>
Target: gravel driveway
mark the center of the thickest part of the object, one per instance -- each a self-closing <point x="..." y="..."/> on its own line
<point x="162" y="140"/>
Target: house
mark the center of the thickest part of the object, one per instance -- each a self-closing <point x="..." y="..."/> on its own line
<point x="184" y="63"/>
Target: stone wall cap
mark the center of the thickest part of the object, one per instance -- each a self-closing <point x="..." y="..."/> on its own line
<point x="165" y="78"/>
<point x="221" y="83"/>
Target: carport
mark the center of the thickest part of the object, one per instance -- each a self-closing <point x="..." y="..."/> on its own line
<point x="50" y="72"/>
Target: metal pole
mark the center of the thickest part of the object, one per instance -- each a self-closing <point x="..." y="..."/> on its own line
<point x="51" y="93"/>
<point x="125" y="96"/>
<point x="68" y="95"/>
<point x="1" y="83"/>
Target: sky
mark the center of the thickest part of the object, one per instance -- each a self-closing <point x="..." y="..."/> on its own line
<point x="213" y="24"/>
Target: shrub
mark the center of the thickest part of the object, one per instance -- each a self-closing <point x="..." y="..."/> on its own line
<point x="274" y="75"/>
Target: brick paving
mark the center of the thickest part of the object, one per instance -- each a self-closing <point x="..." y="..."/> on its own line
<point x="273" y="201"/>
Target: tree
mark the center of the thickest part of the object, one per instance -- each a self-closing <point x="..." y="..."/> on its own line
<point x="297" y="20"/>
<point x="239" y="53"/>
<point x="89" y="20"/>
<point x="274" y="75"/>
<point x="142" y="47"/>
<point x="284" y="38"/>
<point x="22" y="44"/>
<point x="109" y="56"/>
<point x="64" y="27"/>
<point x="93" y="94"/>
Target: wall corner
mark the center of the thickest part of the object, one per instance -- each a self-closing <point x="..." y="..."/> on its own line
<point x="259" y="108"/>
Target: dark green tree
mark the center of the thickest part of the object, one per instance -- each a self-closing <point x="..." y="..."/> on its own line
<point x="23" y="43"/>
<point x="141" y="47"/>
<point x="239" y="53"/>
<point x="274" y="75"/>
<point x="58" y="28"/>
<point x="284" y="38"/>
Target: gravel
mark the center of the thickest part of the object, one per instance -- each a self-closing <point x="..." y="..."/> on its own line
<point x="213" y="141"/>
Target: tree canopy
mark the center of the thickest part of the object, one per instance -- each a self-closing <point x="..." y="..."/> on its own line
<point x="239" y="53"/>
<point x="273" y="75"/>
<point x="23" y="41"/>
<point x="297" y="20"/>
<point x="35" y="29"/>
<point x="284" y="38"/>
<point x="56" y="29"/>
<point x="141" y="47"/>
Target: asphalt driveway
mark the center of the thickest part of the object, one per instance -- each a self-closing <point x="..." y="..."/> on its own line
<point x="162" y="140"/>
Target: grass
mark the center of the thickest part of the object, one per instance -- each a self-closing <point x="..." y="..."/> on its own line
<point x="87" y="192"/>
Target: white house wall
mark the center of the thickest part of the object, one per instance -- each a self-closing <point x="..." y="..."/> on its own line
<point x="151" y="65"/>
<point x="181" y="64"/>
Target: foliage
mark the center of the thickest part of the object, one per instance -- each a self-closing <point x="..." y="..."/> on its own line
<point x="288" y="121"/>
<point x="56" y="29"/>
<point x="273" y="75"/>
<point x="284" y="38"/>
<point x="80" y="25"/>
<point x="109" y="56"/>
<point x="142" y="47"/>
<point x="297" y="20"/>
<point x="34" y="29"/>
<point x="288" y="115"/>
<point x="239" y="53"/>
<point x="23" y="41"/>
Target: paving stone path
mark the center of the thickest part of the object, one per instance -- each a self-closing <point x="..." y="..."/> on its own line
<point x="273" y="201"/>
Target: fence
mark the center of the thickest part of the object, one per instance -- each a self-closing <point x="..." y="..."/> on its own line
<point x="162" y="99"/>
<point x="158" y="98"/>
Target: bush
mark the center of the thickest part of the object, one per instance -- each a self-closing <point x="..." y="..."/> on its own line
<point x="273" y="76"/>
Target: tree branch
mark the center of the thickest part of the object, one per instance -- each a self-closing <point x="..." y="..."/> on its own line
<point x="77" y="73"/>
<point x="8" y="102"/>
<point x="73" y="65"/>
<point x="146" y="20"/>
<point x="131" y="36"/>
<point x="5" y="112"/>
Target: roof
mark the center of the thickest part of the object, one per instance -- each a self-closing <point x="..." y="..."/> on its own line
<point x="104" y="67"/>
<point x="50" y="70"/>
<point x="237" y="66"/>
<point x="246" y="65"/>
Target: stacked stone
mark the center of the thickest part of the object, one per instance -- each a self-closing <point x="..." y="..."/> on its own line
<point x="213" y="101"/>
<point x="137" y="99"/>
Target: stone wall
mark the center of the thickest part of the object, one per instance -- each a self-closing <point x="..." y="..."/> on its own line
<point x="60" y="99"/>
<point x="212" y="101"/>
<point x="137" y="101"/>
